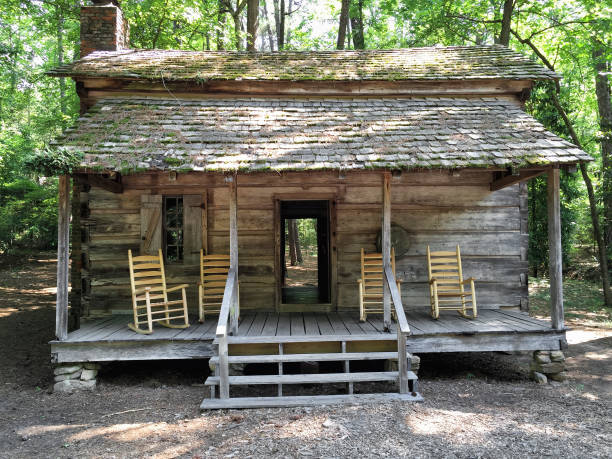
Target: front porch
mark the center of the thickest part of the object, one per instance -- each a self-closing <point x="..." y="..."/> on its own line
<point x="108" y="339"/>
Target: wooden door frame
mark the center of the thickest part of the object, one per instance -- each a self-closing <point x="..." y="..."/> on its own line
<point x="332" y="198"/>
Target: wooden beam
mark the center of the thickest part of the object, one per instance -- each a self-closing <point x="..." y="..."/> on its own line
<point x="63" y="242"/>
<point x="106" y="183"/>
<point x="233" y="230"/>
<point x="386" y="246"/>
<point x="510" y="179"/>
<point x="555" y="260"/>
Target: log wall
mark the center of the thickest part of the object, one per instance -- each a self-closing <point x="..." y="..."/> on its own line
<point x="436" y="208"/>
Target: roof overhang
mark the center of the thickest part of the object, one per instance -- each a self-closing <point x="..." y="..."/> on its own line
<point x="305" y="134"/>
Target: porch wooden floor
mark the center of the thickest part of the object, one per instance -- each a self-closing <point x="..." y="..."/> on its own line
<point x="108" y="339"/>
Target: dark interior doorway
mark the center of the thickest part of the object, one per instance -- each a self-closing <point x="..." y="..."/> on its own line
<point x="305" y="247"/>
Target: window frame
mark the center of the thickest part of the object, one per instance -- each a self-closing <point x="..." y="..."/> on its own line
<point x="179" y="213"/>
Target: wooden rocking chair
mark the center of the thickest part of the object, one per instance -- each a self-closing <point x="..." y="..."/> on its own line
<point x="213" y="276"/>
<point x="150" y="295"/>
<point x="371" y="284"/>
<point x="447" y="285"/>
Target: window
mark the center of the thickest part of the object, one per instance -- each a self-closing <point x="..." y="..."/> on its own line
<point x="173" y="228"/>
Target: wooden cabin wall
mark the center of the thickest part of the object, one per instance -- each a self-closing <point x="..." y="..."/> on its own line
<point x="436" y="208"/>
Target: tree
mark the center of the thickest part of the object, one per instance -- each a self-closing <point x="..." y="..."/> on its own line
<point x="602" y="72"/>
<point x="342" y="24"/>
<point x="252" y="23"/>
<point x="356" y="18"/>
<point x="504" y="34"/>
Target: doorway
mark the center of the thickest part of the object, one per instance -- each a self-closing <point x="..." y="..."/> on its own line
<point x="305" y="252"/>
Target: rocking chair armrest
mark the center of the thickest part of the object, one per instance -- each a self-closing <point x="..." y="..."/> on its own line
<point x="140" y="290"/>
<point x="359" y="281"/>
<point x="178" y="287"/>
<point x="433" y="280"/>
<point x="468" y="280"/>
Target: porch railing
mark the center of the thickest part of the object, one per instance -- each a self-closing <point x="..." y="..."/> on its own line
<point x="403" y="330"/>
<point x="229" y="313"/>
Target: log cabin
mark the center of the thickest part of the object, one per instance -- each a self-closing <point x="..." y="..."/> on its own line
<point x="222" y="148"/>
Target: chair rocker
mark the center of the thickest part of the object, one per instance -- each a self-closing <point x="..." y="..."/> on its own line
<point x="150" y="295"/>
<point x="447" y="285"/>
<point x="213" y="277"/>
<point x="371" y="284"/>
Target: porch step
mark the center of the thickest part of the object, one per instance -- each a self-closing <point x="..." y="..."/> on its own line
<point x="306" y="400"/>
<point x="321" y="378"/>
<point x="327" y="357"/>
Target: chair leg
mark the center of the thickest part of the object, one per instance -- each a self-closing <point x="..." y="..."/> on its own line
<point x="200" y="305"/>
<point x="362" y="313"/>
<point x="185" y="311"/>
<point x="149" y="318"/>
<point x="435" y="311"/>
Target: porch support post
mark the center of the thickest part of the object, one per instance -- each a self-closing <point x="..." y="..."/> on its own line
<point x="554" y="248"/>
<point x="386" y="246"/>
<point x="63" y="242"/>
<point x="233" y="221"/>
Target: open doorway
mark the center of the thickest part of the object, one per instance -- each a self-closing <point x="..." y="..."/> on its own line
<point x="305" y="261"/>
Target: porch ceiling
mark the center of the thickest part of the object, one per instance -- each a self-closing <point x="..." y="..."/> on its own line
<point x="258" y="134"/>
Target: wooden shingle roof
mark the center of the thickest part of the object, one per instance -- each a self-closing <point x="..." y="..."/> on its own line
<point x="409" y="64"/>
<point x="255" y="134"/>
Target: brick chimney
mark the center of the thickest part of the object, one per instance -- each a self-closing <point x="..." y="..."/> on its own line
<point x="103" y="27"/>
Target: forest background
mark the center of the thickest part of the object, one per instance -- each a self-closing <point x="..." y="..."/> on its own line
<point x="573" y="37"/>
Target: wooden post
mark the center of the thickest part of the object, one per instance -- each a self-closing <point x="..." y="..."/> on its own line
<point x="402" y="362"/>
<point x="223" y="368"/>
<point x="555" y="260"/>
<point x="386" y="246"/>
<point x="233" y="221"/>
<point x="63" y="242"/>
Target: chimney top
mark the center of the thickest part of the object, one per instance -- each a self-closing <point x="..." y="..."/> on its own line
<point x="103" y="27"/>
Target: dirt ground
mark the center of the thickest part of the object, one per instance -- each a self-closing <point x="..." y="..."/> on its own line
<point x="476" y="405"/>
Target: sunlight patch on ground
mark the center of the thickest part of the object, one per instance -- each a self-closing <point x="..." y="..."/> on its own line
<point x="445" y="422"/>
<point x="139" y="431"/>
<point x="309" y="429"/>
<point x="578" y="336"/>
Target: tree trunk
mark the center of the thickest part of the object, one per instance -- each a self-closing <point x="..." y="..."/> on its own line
<point x="237" y="28"/>
<point x="344" y="11"/>
<point x="252" y="23"/>
<point x="279" y="20"/>
<point x="268" y="28"/>
<point x="291" y="240"/>
<point x="287" y="30"/>
<point x="221" y="26"/>
<point x="604" y="105"/>
<point x="356" y="17"/>
<point x="504" y="35"/>
<point x="296" y="240"/>
<point x="60" y="58"/>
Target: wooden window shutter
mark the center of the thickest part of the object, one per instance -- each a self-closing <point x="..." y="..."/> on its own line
<point x="194" y="227"/>
<point x="150" y="223"/>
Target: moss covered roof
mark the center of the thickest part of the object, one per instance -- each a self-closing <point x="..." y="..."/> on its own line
<point x="253" y="134"/>
<point x="434" y="63"/>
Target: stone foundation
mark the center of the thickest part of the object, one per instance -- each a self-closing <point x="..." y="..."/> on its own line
<point x="548" y="365"/>
<point x="415" y="363"/>
<point x="75" y="376"/>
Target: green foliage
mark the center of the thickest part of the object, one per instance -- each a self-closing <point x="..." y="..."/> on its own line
<point x="28" y="216"/>
<point x="53" y="162"/>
